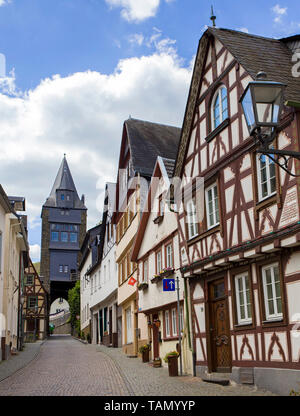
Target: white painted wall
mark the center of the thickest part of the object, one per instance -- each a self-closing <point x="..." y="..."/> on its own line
<point x="85" y="294"/>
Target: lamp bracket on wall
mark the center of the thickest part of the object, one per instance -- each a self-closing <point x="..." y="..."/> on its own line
<point x="280" y="157"/>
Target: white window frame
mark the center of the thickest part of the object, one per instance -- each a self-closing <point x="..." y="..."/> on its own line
<point x="61" y="268"/>
<point x="259" y="178"/>
<point x="158" y="255"/>
<point x="247" y="319"/>
<point x="212" y="188"/>
<point x="167" y="323"/>
<point x="146" y="271"/>
<point x="218" y="93"/>
<point x="192" y="214"/>
<point x="169" y="256"/>
<point x="174" y="320"/>
<point x="277" y="315"/>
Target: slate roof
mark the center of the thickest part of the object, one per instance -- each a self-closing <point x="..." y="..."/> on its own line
<point x="257" y="53"/>
<point x="169" y="165"/>
<point x="147" y="141"/>
<point x="64" y="181"/>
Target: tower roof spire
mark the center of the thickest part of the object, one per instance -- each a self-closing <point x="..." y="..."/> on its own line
<point x="213" y="17"/>
<point x="64" y="182"/>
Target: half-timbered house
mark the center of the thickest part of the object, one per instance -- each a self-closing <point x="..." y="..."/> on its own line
<point x="155" y="251"/>
<point x="141" y="143"/>
<point x="240" y="232"/>
<point x="35" y="307"/>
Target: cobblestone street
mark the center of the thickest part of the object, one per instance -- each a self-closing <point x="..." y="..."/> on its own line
<point x="67" y="367"/>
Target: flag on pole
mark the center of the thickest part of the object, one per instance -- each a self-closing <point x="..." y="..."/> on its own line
<point x="132" y="281"/>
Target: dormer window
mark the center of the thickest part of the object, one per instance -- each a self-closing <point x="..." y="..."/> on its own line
<point x="219" y="107"/>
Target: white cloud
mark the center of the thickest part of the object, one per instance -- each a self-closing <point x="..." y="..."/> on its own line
<point x="279" y="12"/>
<point x="136" y="10"/>
<point x="136" y="39"/>
<point x="35" y="252"/>
<point x="82" y="115"/>
<point x="243" y="29"/>
<point x="4" y="2"/>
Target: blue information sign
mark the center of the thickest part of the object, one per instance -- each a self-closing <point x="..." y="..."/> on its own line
<point x="169" y="285"/>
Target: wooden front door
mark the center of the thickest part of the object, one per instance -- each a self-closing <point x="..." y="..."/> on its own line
<point x="219" y="328"/>
<point x="155" y="332"/>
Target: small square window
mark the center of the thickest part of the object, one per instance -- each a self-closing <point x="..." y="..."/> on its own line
<point x="32" y="302"/>
<point x="73" y="237"/>
<point x="64" y="237"/>
<point x="54" y="236"/>
<point x="29" y="279"/>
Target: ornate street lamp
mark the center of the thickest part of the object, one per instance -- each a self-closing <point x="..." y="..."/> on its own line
<point x="262" y="103"/>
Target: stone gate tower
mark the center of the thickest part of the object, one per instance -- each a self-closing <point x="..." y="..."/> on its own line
<point x="63" y="231"/>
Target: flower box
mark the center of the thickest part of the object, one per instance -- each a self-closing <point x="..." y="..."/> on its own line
<point x="162" y="275"/>
<point x="158" y="219"/>
<point x="143" y="286"/>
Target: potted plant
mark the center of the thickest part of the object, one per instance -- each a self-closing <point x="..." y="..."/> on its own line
<point x="172" y="359"/>
<point x="144" y="350"/>
<point x="157" y="323"/>
<point x="157" y="362"/>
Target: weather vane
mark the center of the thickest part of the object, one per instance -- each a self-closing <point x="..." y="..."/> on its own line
<point x="213" y="17"/>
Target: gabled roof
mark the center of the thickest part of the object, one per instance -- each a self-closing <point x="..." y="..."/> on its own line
<point x="169" y="166"/>
<point x="64" y="182"/>
<point x="255" y="54"/>
<point x="147" y="141"/>
<point x="89" y="239"/>
<point x="163" y="169"/>
<point x="17" y="202"/>
<point x="5" y="202"/>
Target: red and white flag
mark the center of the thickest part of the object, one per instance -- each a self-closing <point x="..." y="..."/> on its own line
<point x="132" y="281"/>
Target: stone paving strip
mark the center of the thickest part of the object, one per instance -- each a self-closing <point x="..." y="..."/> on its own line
<point x="144" y="380"/>
<point x="21" y="360"/>
<point x="67" y="367"/>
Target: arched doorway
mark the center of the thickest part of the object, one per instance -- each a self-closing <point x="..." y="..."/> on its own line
<point x="59" y="317"/>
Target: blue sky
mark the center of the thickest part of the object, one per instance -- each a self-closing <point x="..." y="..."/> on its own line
<point x="42" y="38"/>
<point x="75" y="70"/>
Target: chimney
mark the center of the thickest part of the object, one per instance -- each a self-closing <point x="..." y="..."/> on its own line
<point x="83" y="199"/>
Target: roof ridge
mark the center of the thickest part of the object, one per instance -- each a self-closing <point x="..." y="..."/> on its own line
<point x="151" y="122"/>
<point x="244" y="33"/>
